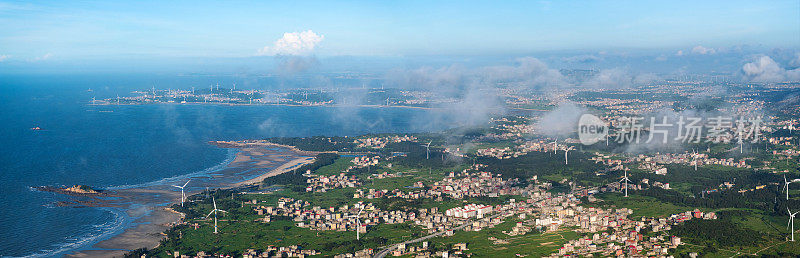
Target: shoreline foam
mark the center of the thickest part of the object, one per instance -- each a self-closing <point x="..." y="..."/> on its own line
<point x="156" y="217"/>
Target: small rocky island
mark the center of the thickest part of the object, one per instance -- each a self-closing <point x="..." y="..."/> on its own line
<point x="75" y="190"/>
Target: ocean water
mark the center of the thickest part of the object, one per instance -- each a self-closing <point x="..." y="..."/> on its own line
<point x="112" y="146"/>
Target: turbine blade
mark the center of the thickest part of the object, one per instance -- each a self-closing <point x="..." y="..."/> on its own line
<point x="209" y="214"/>
<point x="187" y="182"/>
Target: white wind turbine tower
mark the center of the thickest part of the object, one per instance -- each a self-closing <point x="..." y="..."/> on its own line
<point x="358" y="222"/>
<point x="566" y="152"/>
<point x="786" y="185"/>
<point x="428" y="150"/>
<point x="625" y="180"/>
<point x="694" y="159"/>
<point x="741" y="143"/>
<point x="791" y="221"/>
<point x="215" y="214"/>
<point x="555" y="145"/>
<point x="183" y="195"/>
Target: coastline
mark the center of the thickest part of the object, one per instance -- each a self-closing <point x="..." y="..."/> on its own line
<point x="266" y="104"/>
<point x="287" y="167"/>
<point x="153" y="215"/>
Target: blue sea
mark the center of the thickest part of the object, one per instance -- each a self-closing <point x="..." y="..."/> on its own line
<point x="118" y="145"/>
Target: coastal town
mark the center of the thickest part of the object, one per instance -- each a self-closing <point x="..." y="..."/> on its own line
<point x="424" y="129"/>
<point x="512" y="185"/>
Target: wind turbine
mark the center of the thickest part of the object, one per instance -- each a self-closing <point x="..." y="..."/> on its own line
<point x="555" y="145"/>
<point x="694" y="159"/>
<point x="358" y="222"/>
<point x="428" y="150"/>
<point x="625" y="180"/>
<point x="215" y="214"/>
<point x="183" y="195"/>
<point x="790" y="225"/>
<point x="566" y="152"/>
<point x="786" y="185"/>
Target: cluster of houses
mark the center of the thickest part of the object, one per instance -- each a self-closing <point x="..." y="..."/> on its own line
<point x="363" y="161"/>
<point x="699" y="159"/>
<point x="469" y="211"/>
<point x="475" y="184"/>
<point x="273" y="251"/>
<point x="522" y="149"/>
<point x="455" y="185"/>
<point x="655" y="162"/>
<point x="320" y="183"/>
<point x="517" y="128"/>
<point x="609" y="232"/>
<point x="270" y="251"/>
<point x="380" y="142"/>
<point x="786" y="141"/>
<point x="355" y="217"/>
<point x="615" y="235"/>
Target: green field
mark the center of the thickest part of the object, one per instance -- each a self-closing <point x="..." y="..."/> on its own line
<point x="533" y="244"/>
<point x="642" y="206"/>
<point x="337" y="167"/>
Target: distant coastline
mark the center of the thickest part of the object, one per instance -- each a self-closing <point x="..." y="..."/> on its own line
<point x="105" y="103"/>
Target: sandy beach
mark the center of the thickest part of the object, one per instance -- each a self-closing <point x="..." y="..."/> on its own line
<point x="254" y="161"/>
<point x="289" y="166"/>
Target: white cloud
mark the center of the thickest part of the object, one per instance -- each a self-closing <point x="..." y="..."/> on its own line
<point x="293" y="43"/>
<point x="795" y="62"/>
<point x="764" y="69"/>
<point x="610" y="79"/>
<point x="44" y="57"/>
<point x="701" y="50"/>
<point x="4" y="57"/>
<point x="562" y="120"/>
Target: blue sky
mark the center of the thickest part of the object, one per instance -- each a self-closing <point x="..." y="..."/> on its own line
<point x="87" y="30"/>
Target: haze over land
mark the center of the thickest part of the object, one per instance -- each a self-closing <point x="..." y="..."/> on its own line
<point x="409" y="128"/>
